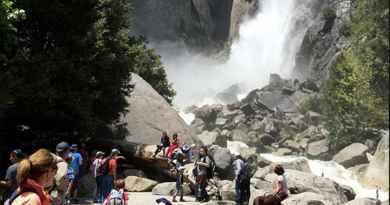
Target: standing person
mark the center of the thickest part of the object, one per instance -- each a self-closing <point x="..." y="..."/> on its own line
<point x="34" y="175"/>
<point x="9" y="183"/>
<point x="202" y="166"/>
<point x="174" y="145"/>
<point x="98" y="174"/>
<point x="242" y="180"/>
<point x="75" y="164"/>
<point x="62" y="181"/>
<point x="164" y="144"/>
<point x="179" y="168"/>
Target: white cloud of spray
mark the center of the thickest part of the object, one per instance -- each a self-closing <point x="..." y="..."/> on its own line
<point x="265" y="45"/>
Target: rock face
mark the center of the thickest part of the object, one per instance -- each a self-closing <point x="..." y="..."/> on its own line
<point x="149" y="114"/>
<point x="352" y="155"/>
<point x="363" y="201"/>
<point x="377" y="173"/>
<point x="306" y="198"/>
<point x="201" y="24"/>
<point x="323" y="40"/>
<point x="138" y="184"/>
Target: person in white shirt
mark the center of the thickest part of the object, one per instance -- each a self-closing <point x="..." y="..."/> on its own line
<point x="95" y="168"/>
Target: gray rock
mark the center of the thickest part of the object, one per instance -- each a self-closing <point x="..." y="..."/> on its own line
<point x="149" y="115"/>
<point x="138" y="184"/>
<point x="266" y="139"/>
<point x="208" y="138"/>
<point x="293" y="145"/>
<point x="318" y="149"/>
<point x="312" y="118"/>
<point x="352" y="155"/>
<point x="220" y="122"/>
<point x="169" y="188"/>
<point x="223" y="202"/>
<point x="362" y="201"/>
<point x="222" y="159"/>
<point x="307" y="198"/>
<point x="239" y="135"/>
<point x="283" y="152"/>
<point x="133" y="172"/>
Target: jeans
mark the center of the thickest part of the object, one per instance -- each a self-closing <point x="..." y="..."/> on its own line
<point x="238" y="193"/>
<point x="99" y="188"/>
<point x="107" y="185"/>
<point x="242" y="191"/>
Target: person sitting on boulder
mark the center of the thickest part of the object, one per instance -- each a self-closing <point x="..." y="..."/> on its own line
<point x="174" y="145"/>
<point x="164" y="143"/>
<point x="187" y="151"/>
<point x="280" y="192"/>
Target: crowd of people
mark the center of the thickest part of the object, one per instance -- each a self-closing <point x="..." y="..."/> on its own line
<point x="179" y="154"/>
<point x="44" y="178"/>
<point x="51" y="178"/>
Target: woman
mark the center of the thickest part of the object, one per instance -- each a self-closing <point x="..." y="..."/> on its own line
<point x="280" y="191"/>
<point x="201" y="174"/>
<point x="34" y="175"/>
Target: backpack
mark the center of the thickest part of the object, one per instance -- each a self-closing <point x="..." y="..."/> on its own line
<point x="104" y="166"/>
<point x="211" y="169"/>
<point x="116" y="198"/>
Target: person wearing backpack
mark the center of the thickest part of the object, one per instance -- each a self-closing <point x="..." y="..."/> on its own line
<point x="34" y="175"/>
<point x="202" y="173"/>
<point x="98" y="173"/>
<point x="242" y="180"/>
<point x="117" y="195"/>
<point x="179" y="171"/>
<point x="164" y="144"/>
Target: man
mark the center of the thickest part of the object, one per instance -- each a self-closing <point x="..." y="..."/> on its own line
<point x="77" y="161"/>
<point x="10" y="183"/>
<point x="241" y="179"/>
<point x="202" y="166"/>
<point x="61" y="184"/>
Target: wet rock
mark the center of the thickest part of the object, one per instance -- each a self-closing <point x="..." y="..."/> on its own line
<point x="283" y="152"/>
<point x="307" y="198"/>
<point x="312" y="118"/>
<point x="318" y="149"/>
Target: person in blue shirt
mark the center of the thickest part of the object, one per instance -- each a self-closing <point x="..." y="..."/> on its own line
<point x="75" y="164"/>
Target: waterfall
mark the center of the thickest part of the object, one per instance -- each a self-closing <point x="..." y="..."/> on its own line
<point x="267" y="44"/>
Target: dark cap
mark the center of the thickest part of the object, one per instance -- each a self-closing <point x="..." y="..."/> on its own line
<point x="62" y="146"/>
<point x="18" y="153"/>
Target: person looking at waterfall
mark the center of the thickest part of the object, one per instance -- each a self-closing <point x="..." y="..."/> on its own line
<point x="164" y="144"/>
<point x="280" y="191"/>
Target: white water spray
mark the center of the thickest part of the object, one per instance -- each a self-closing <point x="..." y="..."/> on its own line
<point x="267" y="44"/>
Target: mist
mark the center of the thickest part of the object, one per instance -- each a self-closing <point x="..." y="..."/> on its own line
<point x="267" y="44"/>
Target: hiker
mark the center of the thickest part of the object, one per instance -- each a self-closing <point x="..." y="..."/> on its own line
<point x="75" y="164"/>
<point x="202" y="166"/>
<point x="179" y="168"/>
<point x="97" y="173"/>
<point x="59" y="190"/>
<point x="117" y="195"/>
<point x="34" y="175"/>
<point x="242" y="180"/>
<point x="109" y="171"/>
<point x="174" y="145"/>
<point x="164" y="143"/>
<point x="187" y="151"/>
<point x="280" y="191"/>
<point x="9" y="183"/>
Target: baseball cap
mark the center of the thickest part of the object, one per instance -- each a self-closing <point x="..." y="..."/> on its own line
<point x="115" y="151"/>
<point x="62" y="146"/>
<point x="18" y="153"/>
<point x="98" y="153"/>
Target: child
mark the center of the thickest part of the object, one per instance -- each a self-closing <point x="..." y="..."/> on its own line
<point x="117" y="195"/>
<point x="179" y="176"/>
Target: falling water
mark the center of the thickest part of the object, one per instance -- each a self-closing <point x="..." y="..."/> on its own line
<point x="267" y="44"/>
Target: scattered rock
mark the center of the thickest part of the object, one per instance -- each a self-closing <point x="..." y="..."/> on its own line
<point x="169" y="188"/>
<point x="306" y="198"/>
<point x="312" y="118"/>
<point x="207" y="137"/>
<point x="363" y="201"/>
<point x="318" y="149"/>
<point x="283" y="152"/>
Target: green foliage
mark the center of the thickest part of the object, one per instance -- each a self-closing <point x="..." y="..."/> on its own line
<point x="148" y="66"/>
<point x="355" y="101"/>
<point x="68" y="71"/>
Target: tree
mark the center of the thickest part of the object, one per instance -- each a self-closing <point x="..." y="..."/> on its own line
<point x="68" y="73"/>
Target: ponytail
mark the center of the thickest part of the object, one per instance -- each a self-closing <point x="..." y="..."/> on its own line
<point x="35" y="165"/>
<point x="24" y="169"/>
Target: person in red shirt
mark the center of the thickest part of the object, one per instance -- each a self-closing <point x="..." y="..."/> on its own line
<point x="174" y="145"/>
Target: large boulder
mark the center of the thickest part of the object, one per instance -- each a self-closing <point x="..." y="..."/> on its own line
<point x="362" y="201"/>
<point x="149" y="114"/>
<point x="352" y="155"/>
<point x="208" y="138"/>
<point x="307" y="198"/>
<point x="138" y="184"/>
<point x="222" y="159"/>
<point x="377" y="173"/>
<point x="302" y="182"/>
<point x="318" y="149"/>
